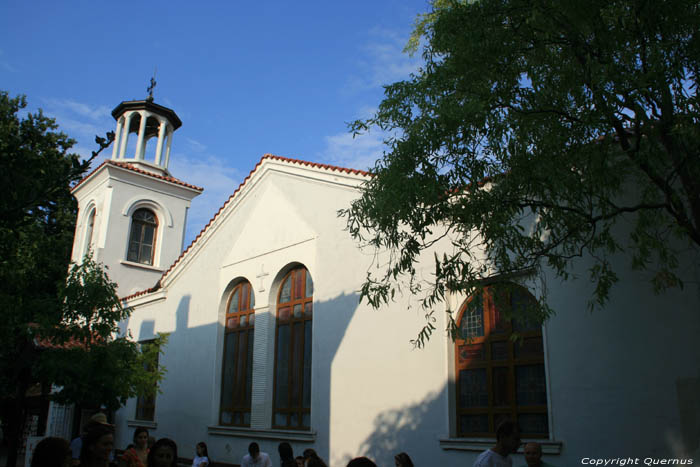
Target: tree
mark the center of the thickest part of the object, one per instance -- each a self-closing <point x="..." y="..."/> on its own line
<point x="532" y="131"/>
<point x="82" y="359"/>
<point x="59" y="326"/>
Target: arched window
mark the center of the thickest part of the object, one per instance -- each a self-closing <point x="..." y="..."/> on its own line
<point x="498" y="378"/>
<point x="89" y="230"/>
<point x="292" y="400"/>
<point x="144" y="226"/>
<point x="237" y="377"/>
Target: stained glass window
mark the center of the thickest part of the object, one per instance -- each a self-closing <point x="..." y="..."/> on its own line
<point x="473" y="319"/>
<point x="237" y="373"/>
<point x="292" y="401"/>
<point x="499" y="377"/>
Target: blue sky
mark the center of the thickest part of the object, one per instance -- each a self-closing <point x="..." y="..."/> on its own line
<point x="245" y="78"/>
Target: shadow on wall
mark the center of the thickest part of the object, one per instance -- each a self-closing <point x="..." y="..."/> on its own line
<point x="333" y="316"/>
<point x="412" y="429"/>
<point x="148" y="329"/>
<point x="405" y="429"/>
<point x="189" y="345"/>
<point x="182" y="312"/>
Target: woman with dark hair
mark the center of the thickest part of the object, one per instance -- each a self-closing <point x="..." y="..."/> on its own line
<point x="311" y="459"/>
<point x="361" y="462"/>
<point x="52" y="452"/>
<point x="98" y="442"/>
<point x="286" y="455"/>
<point x="201" y="458"/>
<point x="137" y="455"/>
<point x="402" y="460"/>
<point x="163" y="454"/>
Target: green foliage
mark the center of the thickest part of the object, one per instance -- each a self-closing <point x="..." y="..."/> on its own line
<point x="537" y="132"/>
<point x="60" y="324"/>
<point x="85" y="357"/>
<point x="37" y="215"/>
<point x="147" y="381"/>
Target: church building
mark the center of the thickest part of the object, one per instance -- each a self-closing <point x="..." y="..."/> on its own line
<point x="269" y="341"/>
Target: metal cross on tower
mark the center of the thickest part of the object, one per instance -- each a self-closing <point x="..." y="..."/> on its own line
<point x="152" y="86"/>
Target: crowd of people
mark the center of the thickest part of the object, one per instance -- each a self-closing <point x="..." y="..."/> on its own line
<point x="95" y="448"/>
<point x="507" y="443"/>
<point x="256" y="458"/>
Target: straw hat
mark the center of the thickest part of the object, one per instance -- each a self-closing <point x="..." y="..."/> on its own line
<point x="99" y="418"/>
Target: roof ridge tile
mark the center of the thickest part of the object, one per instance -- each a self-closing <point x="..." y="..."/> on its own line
<point x="128" y="166"/>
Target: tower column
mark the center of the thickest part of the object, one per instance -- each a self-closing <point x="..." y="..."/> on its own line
<point x="117" y="134"/>
<point x="161" y="137"/>
<point x="125" y="134"/>
<point x="170" y="142"/>
<point x="142" y="135"/>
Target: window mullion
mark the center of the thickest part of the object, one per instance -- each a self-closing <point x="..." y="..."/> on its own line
<point x="142" y="230"/>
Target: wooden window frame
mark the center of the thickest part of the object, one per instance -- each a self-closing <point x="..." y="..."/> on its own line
<point x="478" y="354"/>
<point x="140" y="241"/>
<point x="294" y="409"/>
<point x="234" y="403"/>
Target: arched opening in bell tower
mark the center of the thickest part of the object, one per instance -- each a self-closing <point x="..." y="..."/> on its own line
<point x="150" y="141"/>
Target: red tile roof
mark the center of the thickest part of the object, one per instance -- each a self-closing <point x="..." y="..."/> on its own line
<point x="332" y="168"/>
<point x="72" y="342"/>
<point x="142" y="292"/>
<point x="126" y="165"/>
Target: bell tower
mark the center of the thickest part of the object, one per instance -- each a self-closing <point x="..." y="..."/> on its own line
<point x="132" y="211"/>
<point x="145" y="120"/>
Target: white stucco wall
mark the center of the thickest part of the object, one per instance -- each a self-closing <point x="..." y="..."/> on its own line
<point x="612" y="375"/>
<point x="115" y="193"/>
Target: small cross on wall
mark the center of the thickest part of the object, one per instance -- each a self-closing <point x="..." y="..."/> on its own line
<point x="261" y="275"/>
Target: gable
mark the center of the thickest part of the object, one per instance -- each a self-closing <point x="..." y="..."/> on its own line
<point x="313" y="175"/>
<point x="274" y="222"/>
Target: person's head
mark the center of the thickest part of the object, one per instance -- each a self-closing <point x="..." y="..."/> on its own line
<point x="52" y="452"/>
<point x="141" y="437"/>
<point x="202" y="450"/>
<point x="311" y="459"/>
<point x="97" y="419"/>
<point x="100" y="418"/>
<point x="300" y="461"/>
<point x="285" y="451"/>
<point x="254" y="450"/>
<point x="402" y="460"/>
<point x="98" y="442"/>
<point x="314" y="462"/>
<point x="163" y="454"/>
<point x="361" y="462"/>
<point x="507" y="437"/>
<point x="533" y="454"/>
